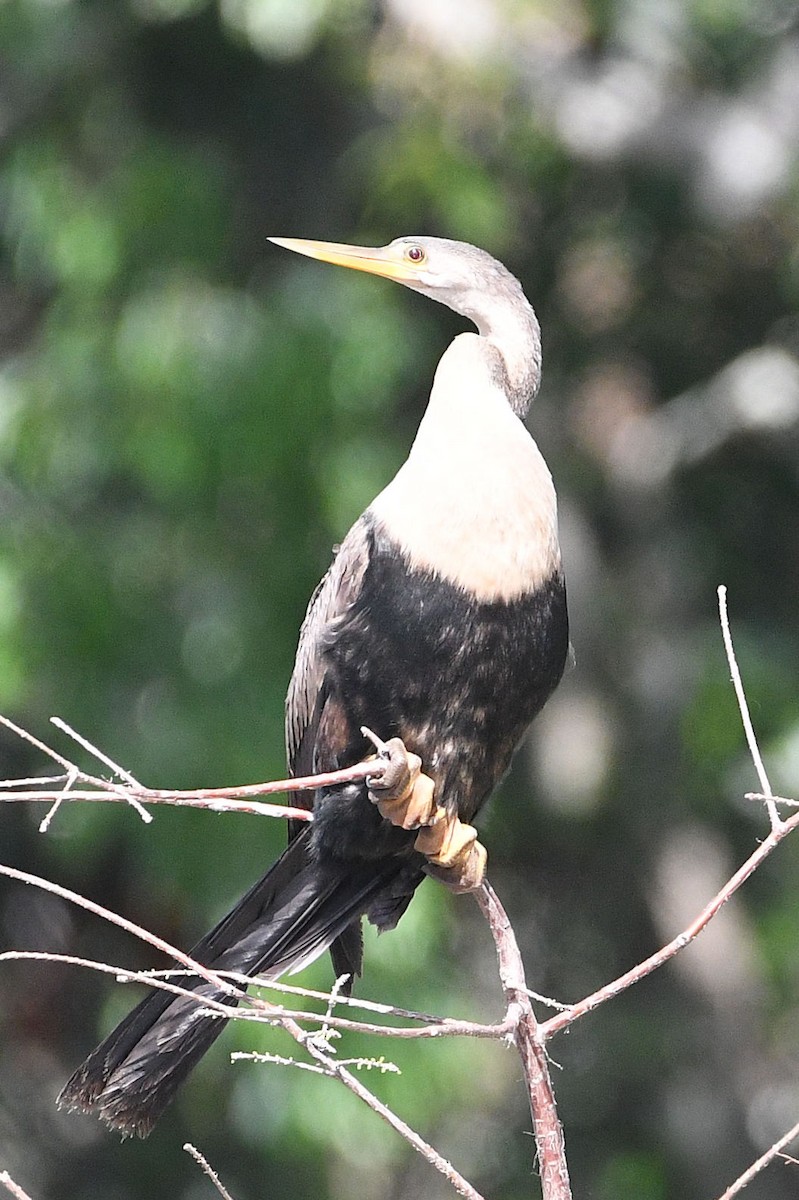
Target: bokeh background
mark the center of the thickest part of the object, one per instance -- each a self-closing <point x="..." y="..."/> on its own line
<point x="189" y="420"/>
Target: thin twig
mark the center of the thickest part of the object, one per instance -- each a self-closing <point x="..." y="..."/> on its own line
<point x="175" y="799"/>
<point x="129" y="926"/>
<point x="547" y="1000"/>
<point x="290" y="989"/>
<point x="788" y="801"/>
<point x="104" y="785"/>
<point x="209" y="1171"/>
<point x="161" y="980"/>
<point x="303" y="783"/>
<point x="109" y="762"/>
<point x="32" y="781"/>
<point x="764" y="1160"/>
<point x="563" y="1020"/>
<point x="35" y="742"/>
<point x="779" y="829"/>
<point x="224" y="799"/>
<point x="277" y="1060"/>
<point x="461" y="1185"/>
<point x="13" y="1188"/>
<point x="99" y="754"/>
<point x="367" y="1064"/>
<point x="746" y="719"/>
<point x="446" y="1027"/>
<point x="69" y="782"/>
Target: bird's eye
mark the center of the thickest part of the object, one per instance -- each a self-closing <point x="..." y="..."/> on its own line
<point x="415" y="254"/>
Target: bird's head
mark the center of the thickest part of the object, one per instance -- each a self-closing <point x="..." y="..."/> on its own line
<point x="462" y="277"/>
<point x="465" y="279"/>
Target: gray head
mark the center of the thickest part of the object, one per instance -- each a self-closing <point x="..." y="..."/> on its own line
<point x="467" y="280"/>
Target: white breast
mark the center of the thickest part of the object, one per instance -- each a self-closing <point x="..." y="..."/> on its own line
<point x="475" y="501"/>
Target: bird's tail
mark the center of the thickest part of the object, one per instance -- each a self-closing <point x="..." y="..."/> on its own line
<point x="288" y="918"/>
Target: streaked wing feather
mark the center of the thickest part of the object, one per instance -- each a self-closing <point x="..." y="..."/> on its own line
<point x="307" y="692"/>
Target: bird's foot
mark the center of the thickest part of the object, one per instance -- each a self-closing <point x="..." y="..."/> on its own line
<point x="454" y="855"/>
<point x="401" y="793"/>
<point x="405" y="796"/>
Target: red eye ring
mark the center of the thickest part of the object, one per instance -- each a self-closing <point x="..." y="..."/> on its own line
<point x="415" y="254"/>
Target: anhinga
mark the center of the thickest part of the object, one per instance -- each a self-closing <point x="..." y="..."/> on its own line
<point x="441" y="622"/>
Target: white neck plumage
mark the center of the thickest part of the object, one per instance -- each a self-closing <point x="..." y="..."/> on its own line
<point x="512" y="329"/>
<point x="475" y="502"/>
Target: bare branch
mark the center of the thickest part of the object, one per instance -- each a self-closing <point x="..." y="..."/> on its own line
<point x="341" y="1072"/>
<point x="563" y="1020"/>
<point x="153" y="979"/>
<point x="32" y="781"/>
<point x="277" y="1060"/>
<point x="437" y="1028"/>
<point x="367" y="1064"/>
<point x="175" y="799"/>
<point x="56" y="889"/>
<point x="209" y="1171"/>
<point x="13" y="1188"/>
<point x="375" y="1006"/>
<point x="225" y="799"/>
<point x="779" y="829"/>
<point x="71" y="780"/>
<point x="746" y="719"/>
<point x="34" y="741"/>
<point x="527" y="1036"/>
<point x="72" y="772"/>
<point x="301" y="1036"/>
<point x="762" y="797"/>
<point x="99" y="754"/>
<point x="519" y="1027"/>
<point x="547" y="1000"/>
<point x="773" y="1152"/>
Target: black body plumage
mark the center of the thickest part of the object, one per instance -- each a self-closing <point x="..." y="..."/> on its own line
<point x="442" y="621"/>
<point x="458" y="679"/>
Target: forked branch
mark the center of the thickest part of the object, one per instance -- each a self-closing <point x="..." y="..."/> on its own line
<point x="519" y="1026"/>
<point x="127" y="790"/>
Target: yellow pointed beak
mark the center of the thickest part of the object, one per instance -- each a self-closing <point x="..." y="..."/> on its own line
<point x="388" y="261"/>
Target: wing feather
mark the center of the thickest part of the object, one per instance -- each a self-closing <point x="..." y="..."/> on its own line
<point x="308" y="691"/>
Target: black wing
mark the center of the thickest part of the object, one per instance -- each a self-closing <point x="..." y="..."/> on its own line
<point x="309" y="699"/>
<point x="311" y="704"/>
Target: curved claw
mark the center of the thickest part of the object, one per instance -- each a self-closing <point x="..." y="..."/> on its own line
<point x="406" y="798"/>
<point x="399" y="771"/>
<point x="401" y="793"/>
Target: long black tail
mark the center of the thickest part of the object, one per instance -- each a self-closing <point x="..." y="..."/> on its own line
<point x="288" y="917"/>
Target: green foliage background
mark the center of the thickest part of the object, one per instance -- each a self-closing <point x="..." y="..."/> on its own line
<point x="190" y="418"/>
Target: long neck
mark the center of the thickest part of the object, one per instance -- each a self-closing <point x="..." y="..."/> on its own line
<point x="474" y="502"/>
<point x="513" y="329"/>
<point x="516" y="334"/>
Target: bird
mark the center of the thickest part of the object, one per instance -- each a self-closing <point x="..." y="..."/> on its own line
<point x="442" y="625"/>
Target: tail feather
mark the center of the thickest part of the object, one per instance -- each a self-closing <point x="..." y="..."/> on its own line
<point x="286" y="919"/>
<point x="346" y="953"/>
